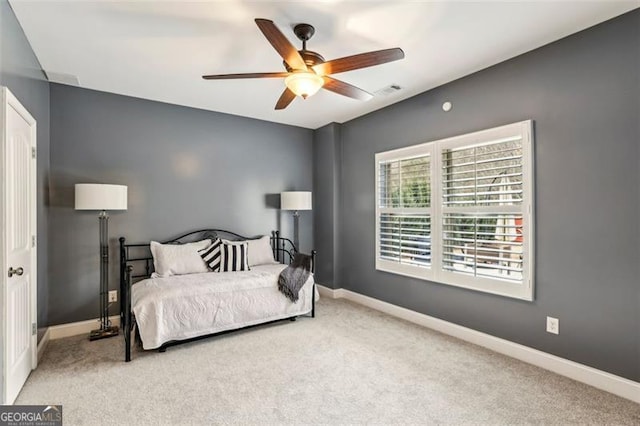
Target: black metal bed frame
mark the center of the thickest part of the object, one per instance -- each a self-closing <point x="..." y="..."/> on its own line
<point x="140" y="255"/>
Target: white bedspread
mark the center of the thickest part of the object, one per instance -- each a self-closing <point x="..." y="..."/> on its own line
<point x="185" y="306"/>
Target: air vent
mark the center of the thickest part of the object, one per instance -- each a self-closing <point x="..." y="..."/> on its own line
<point x="389" y="90"/>
<point x="62" y="78"/>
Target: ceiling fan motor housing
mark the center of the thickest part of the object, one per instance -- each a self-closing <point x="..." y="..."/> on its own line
<point x="310" y="58"/>
<point x="304" y="31"/>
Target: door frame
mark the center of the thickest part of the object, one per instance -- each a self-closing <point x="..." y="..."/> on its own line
<point x="9" y="100"/>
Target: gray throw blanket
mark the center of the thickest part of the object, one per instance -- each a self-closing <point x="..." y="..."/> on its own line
<point x="293" y="277"/>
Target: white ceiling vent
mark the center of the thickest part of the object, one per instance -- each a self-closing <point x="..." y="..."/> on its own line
<point x="62" y="78"/>
<point x="389" y="90"/>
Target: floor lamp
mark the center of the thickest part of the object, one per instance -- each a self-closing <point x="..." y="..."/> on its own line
<point x="101" y="197"/>
<point x="296" y="201"/>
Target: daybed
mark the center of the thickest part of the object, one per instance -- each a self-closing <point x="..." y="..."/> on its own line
<point x="166" y="310"/>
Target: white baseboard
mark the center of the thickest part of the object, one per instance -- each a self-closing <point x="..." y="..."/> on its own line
<point x="329" y="292"/>
<point x="44" y="342"/>
<point x="76" y="328"/>
<point x="608" y="382"/>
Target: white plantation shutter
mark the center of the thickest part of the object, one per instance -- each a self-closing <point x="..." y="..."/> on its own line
<point x="488" y="175"/>
<point x="405" y="183"/>
<point x="486" y="242"/>
<point x="406" y="238"/>
<point x="404" y="213"/>
<point x="460" y="211"/>
<point x="472" y="247"/>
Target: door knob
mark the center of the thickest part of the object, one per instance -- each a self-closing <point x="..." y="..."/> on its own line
<point x="13" y="272"/>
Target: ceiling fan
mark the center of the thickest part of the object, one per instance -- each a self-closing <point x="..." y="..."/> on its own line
<point x="307" y="71"/>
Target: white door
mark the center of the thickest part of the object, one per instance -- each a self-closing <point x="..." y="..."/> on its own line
<point x="18" y="245"/>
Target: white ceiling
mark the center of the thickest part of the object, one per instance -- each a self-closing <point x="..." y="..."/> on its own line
<point x="159" y="49"/>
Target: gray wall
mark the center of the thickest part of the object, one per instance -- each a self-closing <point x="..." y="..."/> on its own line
<point x="326" y="201"/>
<point x="20" y="71"/>
<point x="186" y="169"/>
<point x="583" y="93"/>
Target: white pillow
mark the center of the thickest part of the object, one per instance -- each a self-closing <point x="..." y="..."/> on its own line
<point x="178" y="259"/>
<point x="260" y="251"/>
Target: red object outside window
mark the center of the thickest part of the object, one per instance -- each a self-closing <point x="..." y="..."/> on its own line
<point x="518" y="230"/>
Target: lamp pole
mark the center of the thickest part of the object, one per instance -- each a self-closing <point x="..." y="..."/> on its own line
<point x="296" y="234"/>
<point x="102" y="198"/>
<point x="104" y="268"/>
<point x="106" y="329"/>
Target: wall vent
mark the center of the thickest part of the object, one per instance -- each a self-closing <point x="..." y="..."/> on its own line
<point x="389" y="90"/>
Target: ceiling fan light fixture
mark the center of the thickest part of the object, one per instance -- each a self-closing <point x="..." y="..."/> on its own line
<point x="304" y="84"/>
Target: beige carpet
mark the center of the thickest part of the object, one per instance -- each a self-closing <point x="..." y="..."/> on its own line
<point x="348" y="365"/>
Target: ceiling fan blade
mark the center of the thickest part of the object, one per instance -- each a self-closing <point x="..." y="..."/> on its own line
<point x="248" y="75"/>
<point x="362" y="60"/>
<point x="345" y="89"/>
<point x="282" y="45"/>
<point x="285" y="99"/>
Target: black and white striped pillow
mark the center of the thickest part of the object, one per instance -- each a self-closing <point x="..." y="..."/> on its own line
<point x="211" y="255"/>
<point x="234" y="256"/>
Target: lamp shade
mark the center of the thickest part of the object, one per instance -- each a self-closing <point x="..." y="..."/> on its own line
<point x="95" y="196"/>
<point x="304" y="84"/>
<point x="295" y="200"/>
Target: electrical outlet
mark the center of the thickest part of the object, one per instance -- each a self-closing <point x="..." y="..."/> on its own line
<point x="553" y="325"/>
<point x="113" y="296"/>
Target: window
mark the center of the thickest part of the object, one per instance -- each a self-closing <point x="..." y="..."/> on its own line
<point x="459" y="211"/>
<point x="405" y="211"/>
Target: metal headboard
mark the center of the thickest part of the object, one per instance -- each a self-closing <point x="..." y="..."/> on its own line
<point x="139" y="255"/>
